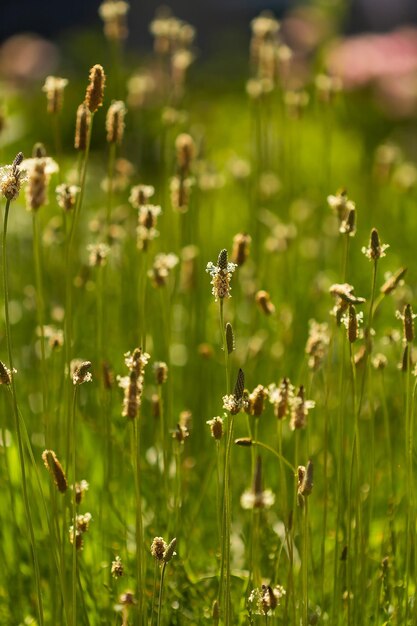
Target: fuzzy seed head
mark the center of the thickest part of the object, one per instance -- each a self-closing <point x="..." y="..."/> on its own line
<point x="95" y="90"/>
<point x="82" y="373"/>
<point x="216" y="427"/>
<point x="393" y="281"/>
<point x="161" y="372"/>
<point x="82" y="127"/>
<point x="230" y="339"/>
<point x="241" y="245"/>
<point x="263" y="300"/>
<point x="12" y="178"/>
<point x="115" y="122"/>
<point x="54" y="467"/>
<point x="54" y="88"/>
<point x="117" y="569"/>
<point x="158" y="548"/>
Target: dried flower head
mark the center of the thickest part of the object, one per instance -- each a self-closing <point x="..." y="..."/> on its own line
<point x="95" y="90"/>
<point x="170" y="550"/>
<point x="39" y="169"/>
<point x="55" y="468"/>
<point x="216" y="427"/>
<point x="11" y="178"/>
<point x="408" y="317"/>
<point x="114" y="14"/>
<point x="317" y="344"/>
<point x="327" y="87"/>
<point x="299" y="410"/>
<point x="230" y="339"/>
<point x="375" y="249"/>
<point x="241" y="247"/>
<point x="392" y="281"/>
<point x="264" y="600"/>
<point x="161" y="269"/>
<point x="257" y="498"/>
<point x="80" y="490"/>
<point x="256" y="400"/>
<point x="5" y="374"/>
<point x="81" y="372"/>
<point x="66" y="196"/>
<point x="281" y="397"/>
<point x="305" y="479"/>
<point x="344" y="296"/>
<point x="348" y="224"/>
<point x="180" y="188"/>
<point x="147" y="220"/>
<point x="181" y="433"/>
<point x="54" y="88"/>
<point x="140" y="195"/>
<point x="117" y="569"/>
<point x="185" y="150"/>
<point x="341" y="205"/>
<point x="161" y="372"/>
<point x="234" y="402"/>
<point x="221" y="275"/>
<point x="352" y="321"/>
<point x="132" y="384"/>
<point x="296" y="102"/>
<point x="98" y="253"/>
<point x="263" y="300"/>
<point x="115" y="121"/>
<point x="158" y="548"/>
<point x="379" y="361"/>
<point x="82" y="127"/>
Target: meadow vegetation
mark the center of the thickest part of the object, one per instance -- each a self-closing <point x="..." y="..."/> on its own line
<point x="207" y="344"/>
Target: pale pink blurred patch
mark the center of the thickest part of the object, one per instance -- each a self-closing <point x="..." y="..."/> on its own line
<point x="387" y="62"/>
<point x="26" y="58"/>
<point x="365" y="58"/>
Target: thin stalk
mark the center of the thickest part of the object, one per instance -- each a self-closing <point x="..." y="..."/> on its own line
<point x="110" y="188"/>
<point x="139" y="524"/>
<point x="41" y="321"/>
<point x="305" y="564"/>
<point x="161" y="587"/>
<point x="17" y="421"/>
<point x="74" y="510"/>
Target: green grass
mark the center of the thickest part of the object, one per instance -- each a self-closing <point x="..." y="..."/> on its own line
<point x="346" y="553"/>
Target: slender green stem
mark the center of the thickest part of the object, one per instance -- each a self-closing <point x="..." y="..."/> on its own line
<point x="139" y="523"/>
<point x="275" y="453"/>
<point x="305" y="563"/>
<point x="41" y="321"/>
<point x="161" y="588"/>
<point x="17" y="421"/>
<point x="74" y="509"/>
<point x="110" y="187"/>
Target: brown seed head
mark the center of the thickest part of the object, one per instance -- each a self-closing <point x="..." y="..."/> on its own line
<point x="222" y="260"/>
<point x="245" y="442"/>
<point x="54" y="467"/>
<point x="117" y="569"/>
<point x="115" y="122"/>
<point x="161" y="372"/>
<point x="263" y="300"/>
<point x="5" y="375"/>
<point x="185" y="148"/>
<point x="408" y="319"/>
<point x="95" y="90"/>
<point x="393" y="282"/>
<point x="82" y="127"/>
<point x="158" y="548"/>
<point x="305" y="479"/>
<point x="230" y="338"/>
<point x="216" y="427"/>
<point x="240" y="252"/>
<point x="352" y="324"/>
<point x="170" y="551"/>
